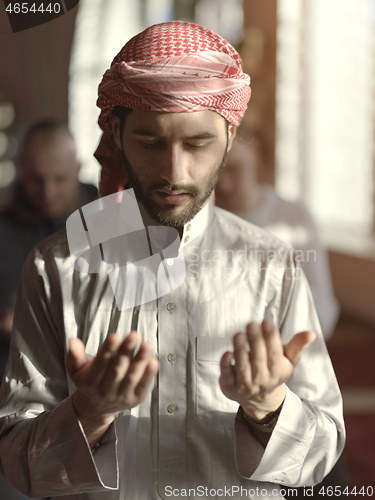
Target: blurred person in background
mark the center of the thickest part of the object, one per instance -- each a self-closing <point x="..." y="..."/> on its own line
<point x="47" y="192"/>
<point x="240" y="192"/>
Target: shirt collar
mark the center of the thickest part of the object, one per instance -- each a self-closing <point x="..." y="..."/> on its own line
<point x="197" y="225"/>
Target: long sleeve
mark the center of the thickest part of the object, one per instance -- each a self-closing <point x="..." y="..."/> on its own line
<point x="43" y="449"/>
<point x="309" y="435"/>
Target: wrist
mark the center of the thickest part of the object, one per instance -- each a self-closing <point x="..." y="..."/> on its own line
<point x="267" y="421"/>
<point x="93" y="422"/>
<point x="261" y="411"/>
<point x="87" y="411"/>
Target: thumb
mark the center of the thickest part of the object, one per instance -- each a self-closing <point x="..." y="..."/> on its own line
<point x="76" y="357"/>
<point x="293" y="351"/>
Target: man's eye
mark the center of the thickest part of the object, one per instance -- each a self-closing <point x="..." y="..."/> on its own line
<point x="196" y="145"/>
<point x="151" y="145"/>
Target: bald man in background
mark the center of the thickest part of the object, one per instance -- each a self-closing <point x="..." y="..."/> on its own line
<point x="47" y="192"/>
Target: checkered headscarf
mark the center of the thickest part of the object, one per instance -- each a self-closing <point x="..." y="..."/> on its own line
<point x="172" y="67"/>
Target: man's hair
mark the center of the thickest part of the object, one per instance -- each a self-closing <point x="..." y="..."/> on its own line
<point x="46" y="130"/>
<point x="121" y="112"/>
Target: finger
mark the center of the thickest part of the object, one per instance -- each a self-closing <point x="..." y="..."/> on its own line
<point x="130" y="344"/>
<point x="274" y="347"/>
<point x="258" y="351"/>
<point x="242" y="368"/>
<point x="106" y="353"/>
<point x="148" y="376"/>
<point x="227" y="373"/>
<point x="137" y="368"/>
<point x="118" y="365"/>
<point x="76" y="356"/>
<point x="293" y="351"/>
<point x="78" y="363"/>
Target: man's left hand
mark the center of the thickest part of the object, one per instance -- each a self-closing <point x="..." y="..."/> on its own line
<point x="256" y="378"/>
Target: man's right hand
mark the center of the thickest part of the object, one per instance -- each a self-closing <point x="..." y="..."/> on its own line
<point x="116" y="379"/>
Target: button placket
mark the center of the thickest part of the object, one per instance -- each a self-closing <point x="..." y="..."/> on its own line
<point x="172" y="378"/>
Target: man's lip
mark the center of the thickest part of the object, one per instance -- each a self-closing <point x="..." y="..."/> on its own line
<point x="171" y="193"/>
<point x="172" y="197"/>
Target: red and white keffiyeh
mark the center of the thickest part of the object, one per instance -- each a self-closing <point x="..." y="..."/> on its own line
<point x="174" y="67"/>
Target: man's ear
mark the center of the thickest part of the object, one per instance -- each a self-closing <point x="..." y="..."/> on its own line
<point x="116" y="130"/>
<point x="231" y="135"/>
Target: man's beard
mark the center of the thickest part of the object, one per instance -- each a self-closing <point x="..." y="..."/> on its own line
<point x="144" y="193"/>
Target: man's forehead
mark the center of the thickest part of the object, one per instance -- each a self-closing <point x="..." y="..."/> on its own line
<point x="59" y="141"/>
<point x="185" y="124"/>
<point x="52" y="159"/>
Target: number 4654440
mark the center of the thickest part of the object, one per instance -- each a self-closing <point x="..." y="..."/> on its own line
<point x="25" y="8"/>
<point x="338" y="491"/>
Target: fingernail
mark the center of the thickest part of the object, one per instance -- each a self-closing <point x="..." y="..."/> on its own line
<point x="240" y="339"/>
<point x="268" y="326"/>
<point x="253" y="329"/>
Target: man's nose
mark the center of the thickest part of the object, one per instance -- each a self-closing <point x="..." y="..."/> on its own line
<point x="49" y="191"/>
<point x="175" y="165"/>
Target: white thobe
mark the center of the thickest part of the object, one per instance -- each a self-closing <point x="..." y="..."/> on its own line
<point x="184" y="438"/>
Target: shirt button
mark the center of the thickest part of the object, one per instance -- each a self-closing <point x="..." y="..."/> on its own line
<point x="171" y="307"/>
<point x="171" y="357"/>
<point x="169" y="262"/>
<point x="187" y="238"/>
<point x="171" y="408"/>
<point x="188" y="227"/>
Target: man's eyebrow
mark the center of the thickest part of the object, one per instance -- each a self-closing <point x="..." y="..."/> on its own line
<point x="199" y="135"/>
<point x="146" y="133"/>
<point x="203" y="135"/>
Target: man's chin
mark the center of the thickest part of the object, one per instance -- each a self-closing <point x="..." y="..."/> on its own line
<point x="172" y="215"/>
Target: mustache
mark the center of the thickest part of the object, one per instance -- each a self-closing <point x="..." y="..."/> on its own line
<point x="186" y="188"/>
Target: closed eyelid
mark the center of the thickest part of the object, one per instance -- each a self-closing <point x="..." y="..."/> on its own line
<point x="150" y="139"/>
<point x="197" y="144"/>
